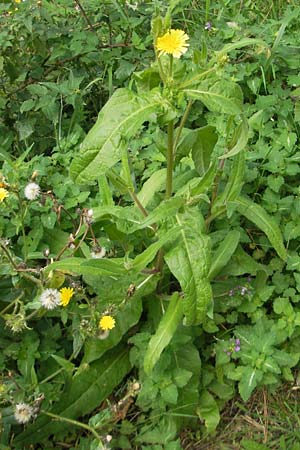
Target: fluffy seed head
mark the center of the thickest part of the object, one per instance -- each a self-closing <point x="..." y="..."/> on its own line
<point x="23" y="412"/>
<point x="50" y="298"/>
<point x="32" y="191"/>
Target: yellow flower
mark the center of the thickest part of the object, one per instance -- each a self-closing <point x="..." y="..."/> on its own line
<point x="65" y="295"/>
<point x="18" y="1"/>
<point x="173" y="42"/>
<point x="107" y="323"/>
<point x="3" y="194"/>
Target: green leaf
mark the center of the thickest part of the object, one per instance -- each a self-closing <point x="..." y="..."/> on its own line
<point x="252" y="445"/>
<point x="126" y="317"/>
<point x="240" y="44"/>
<point x="222" y="97"/>
<point x="256" y="214"/>
<point x="224" y="252"/>
<point x="208" y="411"/>
<point x="249" y="380"/>
<point x="205" y="141"/>
<point x="164" y="333"/>
<point x="200" y="142"/>
<point x="86" y="391"/>
<point x="143" y="259"/>
<point x="82" y="266"/>
<point x="120" y="119"/>
<point x="64" y="363"/>
<point x="154" y="184"/>
<point x="233" y="186"/>
<point x="189" y="261"/>
<point x="240" y="138"/>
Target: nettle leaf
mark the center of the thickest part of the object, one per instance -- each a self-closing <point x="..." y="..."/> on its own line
<point x="249" y="380"/>
<point x="164" y="333"/>
<point x="224" y="252"/>
<point x="120" y="119"/>
<point x="189" y="261"/>
<point x="208" y="411"/>
<point x="86" y="391"/>
<point x="256" y="214"/>
<point x="222" y="97"/>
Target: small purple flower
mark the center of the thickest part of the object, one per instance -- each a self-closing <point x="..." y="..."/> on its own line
<point x="237" y="348"/>
<point x="208" y="26"/>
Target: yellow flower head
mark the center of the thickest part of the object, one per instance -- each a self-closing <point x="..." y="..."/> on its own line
<point x="107" y="323"/>
<point x="173" y="43"/>
<point x="3" y="194"/>
<point x="65" y="295"/>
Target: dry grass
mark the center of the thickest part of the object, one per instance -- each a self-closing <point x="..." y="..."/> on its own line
<point x="272" y="420"/>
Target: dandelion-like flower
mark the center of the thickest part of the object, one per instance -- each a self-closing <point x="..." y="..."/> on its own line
<point x="32" y="191"/>
<point x="65" y="296"/>
<point x="3" y="194"/>
<point x="173" y="42"/>
<point x="23" y="412"/>
<point x="50" y="298"/>
<point x="107" y="323"/>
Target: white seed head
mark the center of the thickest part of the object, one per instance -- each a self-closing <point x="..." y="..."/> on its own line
<point x="23" y="412"/>
<point x="50" y="298"/>
<point x="32" y="191"/>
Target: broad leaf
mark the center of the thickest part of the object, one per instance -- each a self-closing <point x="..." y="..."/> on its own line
<point x="224" y="252"/>
<point x="189" y="261"/>
<point x="86" y="391"/>
<point x="223" y="96"/>
<point x="200" y="142"/>
<point x="256" y="214"/>
<point x="164" y="333"/>
<point x="120" y="119"/>
<point x="205" y="141"/>
<point x="208" y="411"/>
<point x="251" y="376"/>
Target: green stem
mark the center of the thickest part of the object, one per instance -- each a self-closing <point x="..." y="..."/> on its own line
<point x="171" y="67"/>
<point x="169" y="182"/>
<point x="138" y="203"/>
<point x="22" y="226"/>
<point x="182" y="123"/>
<point x="76" y="423"/>
<point x="169" y="179"/>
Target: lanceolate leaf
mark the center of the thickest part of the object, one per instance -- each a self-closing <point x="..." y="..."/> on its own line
<point x="223" y="96"/>
<point x="224" y="252"/>
<point x="120" y="119"/>
<point x="86" y="391"/>
<point x="256" y="214"/>
<point x="154" y="184"/>
<point x="189" y="261"/>
<point x="164" y="333"/>
<point x="233" y="186"/>
<point x="241" y="138"/>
